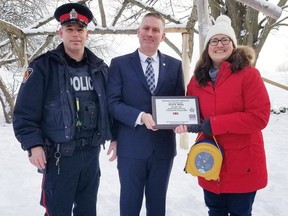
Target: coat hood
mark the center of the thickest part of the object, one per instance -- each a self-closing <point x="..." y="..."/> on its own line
<point x="242" y="57"/>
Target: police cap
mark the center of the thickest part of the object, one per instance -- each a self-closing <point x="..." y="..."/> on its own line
<point x="73" y="13"/>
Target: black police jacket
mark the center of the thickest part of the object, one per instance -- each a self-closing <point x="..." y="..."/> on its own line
<point x="44" y="107"/>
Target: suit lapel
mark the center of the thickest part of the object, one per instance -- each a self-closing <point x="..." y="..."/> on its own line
<point x="136" y="64"/>
<point x="162" y="71"/>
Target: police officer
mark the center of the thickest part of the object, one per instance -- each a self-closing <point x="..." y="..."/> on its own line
<point x="61" y="118"/>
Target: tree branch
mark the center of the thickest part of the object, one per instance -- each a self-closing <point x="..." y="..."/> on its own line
<point x="125" y="3"/>
<point x="102" y="13"/>
<point x="42" y="47"/>
<point x="11" y="29"/>
<point x="152" y="9"/>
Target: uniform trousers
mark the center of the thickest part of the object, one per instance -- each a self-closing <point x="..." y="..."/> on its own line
<point x="72" y="186"/>
<point x="232" y="204"/>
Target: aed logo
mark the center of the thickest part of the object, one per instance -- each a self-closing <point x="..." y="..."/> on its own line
<point x="82" y="83"/>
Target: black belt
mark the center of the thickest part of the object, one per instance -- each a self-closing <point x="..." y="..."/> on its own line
<point x="82" y="142"/>
<point x="67" y="148"/>
<point x="78" y="142"/>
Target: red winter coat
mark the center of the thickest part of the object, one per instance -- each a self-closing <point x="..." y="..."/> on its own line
<point x="239" y="108"/>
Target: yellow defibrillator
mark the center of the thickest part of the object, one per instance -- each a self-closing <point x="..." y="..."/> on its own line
<point x="205" y="159"/>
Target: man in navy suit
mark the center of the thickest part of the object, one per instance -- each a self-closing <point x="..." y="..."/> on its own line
<point x="144" y="154"/>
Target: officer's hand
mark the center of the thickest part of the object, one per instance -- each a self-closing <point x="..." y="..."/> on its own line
<point x="112" y="148"/>
<point x="147" y="119"/>
<point x="37" y="157"/>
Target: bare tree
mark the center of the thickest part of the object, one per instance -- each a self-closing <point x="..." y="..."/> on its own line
<point x="29" y="29"/>
<point x="251" y="27"/>
<point x="17" y="14"/>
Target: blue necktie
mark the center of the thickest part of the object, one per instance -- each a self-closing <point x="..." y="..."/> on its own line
<point x="149" y="73"/>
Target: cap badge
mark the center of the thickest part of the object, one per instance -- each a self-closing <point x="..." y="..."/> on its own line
<point x="73" y="14"/>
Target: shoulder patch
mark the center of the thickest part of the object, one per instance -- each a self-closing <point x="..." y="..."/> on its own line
<point x="27" y="74"/>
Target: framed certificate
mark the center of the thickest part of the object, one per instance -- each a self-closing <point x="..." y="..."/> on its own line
<point x="171" y="111"/>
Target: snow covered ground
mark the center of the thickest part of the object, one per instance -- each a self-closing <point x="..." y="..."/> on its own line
<point x="20" y="183"/>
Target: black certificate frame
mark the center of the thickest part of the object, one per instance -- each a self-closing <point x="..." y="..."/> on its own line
<point x="175" y="109"/>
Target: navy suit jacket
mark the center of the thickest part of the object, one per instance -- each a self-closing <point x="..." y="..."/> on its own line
<point x="129" y="94"/>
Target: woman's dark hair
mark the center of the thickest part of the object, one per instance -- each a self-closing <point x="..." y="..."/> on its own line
<point x="201" y="71"/>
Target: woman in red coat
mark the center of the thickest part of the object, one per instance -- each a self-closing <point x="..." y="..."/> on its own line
<point x="234" y="107"/>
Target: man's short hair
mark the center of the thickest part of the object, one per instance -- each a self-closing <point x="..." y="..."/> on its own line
<point x="156" y="15"/>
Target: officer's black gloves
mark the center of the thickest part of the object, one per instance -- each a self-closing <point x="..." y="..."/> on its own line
<point x="204" y="127"/>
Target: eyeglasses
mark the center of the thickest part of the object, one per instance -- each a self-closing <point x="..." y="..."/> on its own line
<point x="215" y="41"/>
